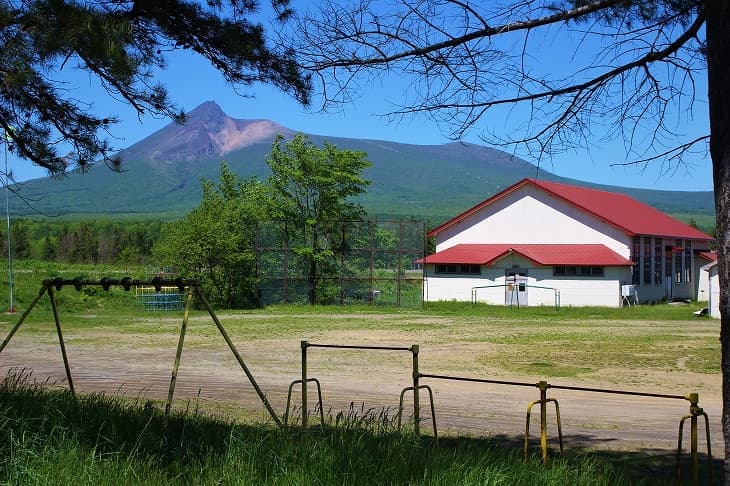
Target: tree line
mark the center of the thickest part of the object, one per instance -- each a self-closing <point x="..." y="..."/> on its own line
<point x="123" y="242"/>
<point x="306" y="204"/>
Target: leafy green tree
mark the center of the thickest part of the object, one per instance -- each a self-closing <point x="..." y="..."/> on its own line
<point x="214" y="243"/>
<point x="49" y="250"/>
<point x="20" y="242"/>
<point x="128" y="257"/>
<point x="311" y="189"/>
<point x="85" y="244"/>
<point x="121" y="45"/>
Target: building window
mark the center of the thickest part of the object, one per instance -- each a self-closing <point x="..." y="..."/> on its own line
<point x="577" y="271"/>
<point x="687" y="261"/>
<point x="635" y="250"/>
<point x="657" y="261"/>
<point x="668" y="261"/>
<point x="646" y="259"/>
<point x="459" y="268"/>
<point x="678" y="252"/>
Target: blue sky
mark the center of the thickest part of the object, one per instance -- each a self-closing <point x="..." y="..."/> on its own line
<point x="191" y="81"/>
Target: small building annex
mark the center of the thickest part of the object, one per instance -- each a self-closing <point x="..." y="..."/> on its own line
<point x="534" y="238"/>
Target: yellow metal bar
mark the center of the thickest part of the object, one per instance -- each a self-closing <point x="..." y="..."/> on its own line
<point x="319" y="400"/>
<point x="693" y="449"/>
<point x="543" y="420"/>
<point x="527" y="427"/>
<point x="60" y="340"/>
<point x="543" y="401"/>
<point x="560" y="426"/>
<point x="305" y="411"/>
<point x="709" y="446"/>
<point x="416" y="401"/>
<point x="694" y="412"/>
<point x="400" y="406"/>
<point x="433" y="411"/>
<point x="178" y="353"/>
<point x="433" y="408"/>
<point x="679" y="447"/>
<point x="238" y="357"/>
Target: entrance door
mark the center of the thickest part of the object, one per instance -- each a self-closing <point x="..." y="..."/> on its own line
<point x="515" y="292"/>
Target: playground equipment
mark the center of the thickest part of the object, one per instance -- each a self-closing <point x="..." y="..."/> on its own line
<point x="192" y="288"/>
<point x="695" y="411"/>
<point x="188" y="287"/>
<point x="165" y="298"/>
<point x="415" y="375"/>
<point x="512" y="291"/>
<point x="543" y="386"/>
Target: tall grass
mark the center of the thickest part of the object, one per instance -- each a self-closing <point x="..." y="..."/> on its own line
<point x="49" y="437"/>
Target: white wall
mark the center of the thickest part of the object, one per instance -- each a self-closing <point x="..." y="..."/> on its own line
<point x="703" y="282"/>
<point x="583" y="291"/>
<point x="528" y="215"/>
<point x="714" y="285"/>
<point x="574" y="291"/>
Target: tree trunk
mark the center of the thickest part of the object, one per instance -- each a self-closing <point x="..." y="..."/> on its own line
<point x="312" y="278"/>
<point x="718" y="78"/>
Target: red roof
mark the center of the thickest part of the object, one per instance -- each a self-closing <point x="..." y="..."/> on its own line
<point x="710" y="256"/>
<point x="624" y="212"/>
<point x="548" y="254"/>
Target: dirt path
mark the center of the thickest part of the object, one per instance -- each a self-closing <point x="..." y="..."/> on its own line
<point x="209" y="377"/>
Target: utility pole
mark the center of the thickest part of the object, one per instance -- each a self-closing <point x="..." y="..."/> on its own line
<point x="11" y="303"/>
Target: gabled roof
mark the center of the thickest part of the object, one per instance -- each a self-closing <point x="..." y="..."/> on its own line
<point x="547" y="254"/>
<point x="619" y="210"/>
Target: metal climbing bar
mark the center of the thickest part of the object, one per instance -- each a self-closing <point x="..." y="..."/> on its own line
<point x="694" y="413"/>
<point x="305" y="345"/>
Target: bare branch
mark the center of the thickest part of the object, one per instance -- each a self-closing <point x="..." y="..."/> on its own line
<point x="473" y="66"/>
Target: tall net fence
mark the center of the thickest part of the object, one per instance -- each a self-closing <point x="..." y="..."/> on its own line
<point x="348" y="262"/>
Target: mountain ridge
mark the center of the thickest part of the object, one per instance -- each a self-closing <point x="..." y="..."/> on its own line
<point x="208" y="132"/>
<point x="162" y="173"/>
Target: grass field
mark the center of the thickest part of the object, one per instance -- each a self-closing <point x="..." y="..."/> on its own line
<point x="661" y="348"/>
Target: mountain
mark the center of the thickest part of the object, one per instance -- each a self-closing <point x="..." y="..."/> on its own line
<point x="162" y="174"/>
<point x="208" y="133"/>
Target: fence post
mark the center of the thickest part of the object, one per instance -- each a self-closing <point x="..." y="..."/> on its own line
<point x="416" y="401"/>
<point x="304" y="345"/>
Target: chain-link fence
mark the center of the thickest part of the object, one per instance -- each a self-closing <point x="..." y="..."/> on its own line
<point x="345" y="262"/>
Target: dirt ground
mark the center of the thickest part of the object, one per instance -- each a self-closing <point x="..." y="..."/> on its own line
<point x="210" y="378"/>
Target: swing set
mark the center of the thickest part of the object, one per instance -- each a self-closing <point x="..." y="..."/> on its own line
<point x="188" y="287"/>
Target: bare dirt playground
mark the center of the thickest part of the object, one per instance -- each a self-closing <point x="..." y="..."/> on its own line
<point x="137" y="360"/>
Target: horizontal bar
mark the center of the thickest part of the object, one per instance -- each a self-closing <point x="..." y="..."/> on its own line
<point x="513" y="284"/>
<point x="343" y="346"/>
<point x="125" y="282"/>
<point x="619" y="392"/>
<point x="557" y="387"/>
<point x="477" y="380"/>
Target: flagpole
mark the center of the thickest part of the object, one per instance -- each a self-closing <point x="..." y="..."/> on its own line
<point x="11" y="308"/>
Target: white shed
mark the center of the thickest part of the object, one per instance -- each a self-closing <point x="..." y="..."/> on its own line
<point x="713" y="288"/>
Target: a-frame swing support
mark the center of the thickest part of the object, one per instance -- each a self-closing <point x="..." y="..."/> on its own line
<point x="49" y="287"/>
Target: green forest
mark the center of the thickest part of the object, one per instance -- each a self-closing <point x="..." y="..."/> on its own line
<point x="97" y="241"/>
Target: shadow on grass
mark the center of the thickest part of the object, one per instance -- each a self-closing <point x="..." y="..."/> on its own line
<point x="653" y="465"/>
<point x="38" y="425"/>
